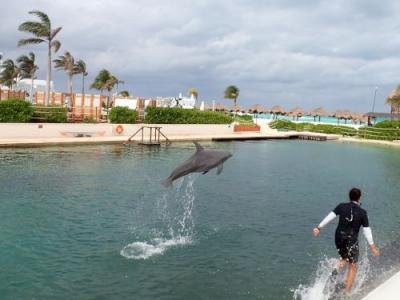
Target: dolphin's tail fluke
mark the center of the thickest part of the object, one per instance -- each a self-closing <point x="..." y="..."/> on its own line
<point x="167" y="182"/>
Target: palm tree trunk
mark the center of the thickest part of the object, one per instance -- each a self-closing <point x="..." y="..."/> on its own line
<point x="48" y="76"/>
<point x="234" y="101"/>
<point x="70" y="85"/>
<point x="83" y="84"/>
<point x="31" y="90"/>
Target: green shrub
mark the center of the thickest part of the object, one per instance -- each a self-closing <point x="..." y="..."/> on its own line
<point x="89" y="120"/>
<point x="244" y="119"/>
<point x="49" y="114"/>
<point x="388" y="124"/>
<point x="374" y="133"/>
<point x="158" y="115"/>
<point x="321" y="128"/>
<point x="283" y="124"/>
<point x="122" y="115"/>
<point x="15" y="110"/>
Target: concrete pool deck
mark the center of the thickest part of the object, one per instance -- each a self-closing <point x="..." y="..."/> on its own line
<point x="389" y="290"/>
<point x="35" y="135"/>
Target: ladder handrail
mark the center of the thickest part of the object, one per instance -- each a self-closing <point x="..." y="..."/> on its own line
<point x="157" y="129"/>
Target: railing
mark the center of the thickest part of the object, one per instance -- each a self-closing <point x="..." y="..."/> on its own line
<point x="153" y="137"/>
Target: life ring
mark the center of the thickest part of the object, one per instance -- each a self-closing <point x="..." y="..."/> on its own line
<point x="119" y="129"/>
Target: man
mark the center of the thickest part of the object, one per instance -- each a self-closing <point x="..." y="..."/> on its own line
<point x="351" y="218"/>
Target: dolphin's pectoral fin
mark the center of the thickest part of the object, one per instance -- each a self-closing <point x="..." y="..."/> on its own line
<point x="220" y="168"/>
<point x="205" y="172"/>
<point x="198" y="146"/>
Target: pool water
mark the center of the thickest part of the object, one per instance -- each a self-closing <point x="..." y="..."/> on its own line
<point x="93" y="222"/>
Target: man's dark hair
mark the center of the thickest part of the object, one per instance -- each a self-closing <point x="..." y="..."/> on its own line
<point x="355" y="194"/>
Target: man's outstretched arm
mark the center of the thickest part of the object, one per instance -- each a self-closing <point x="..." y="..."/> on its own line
<point x="329" y="218"/>
<point x="368" y="236"/>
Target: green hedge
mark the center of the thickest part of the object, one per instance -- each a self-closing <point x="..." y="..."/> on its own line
<point x="15" y="110"/>
<point x="388" y="124"/>
<point x="243" y="119"/>
<point x="50" y="114"/>
<point x="158" y="115"/>
<point x="321" y="128"/>
<point x="122" y="115"/>
<point x="374" y="133"/>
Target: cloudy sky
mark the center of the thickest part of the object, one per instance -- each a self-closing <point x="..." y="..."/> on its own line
<point x="287" y="52"/>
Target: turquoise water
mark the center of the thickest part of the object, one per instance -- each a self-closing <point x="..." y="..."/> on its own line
<point x="93" y="222"/>
<point x="308" y="119"/>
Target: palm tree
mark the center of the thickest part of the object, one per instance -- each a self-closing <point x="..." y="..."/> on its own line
<point x="28" y="69"/>
<point x="43" y="33"/>
<point x="9" y="73"/>
<point x="105" y="81"/>
<point x="123" y="94"/>
<point x="232" y="92"/>
<point x="394" y="100"/>
<point x="80" y="68"/>
<point x="194" y="92"/>
<point x="66" y="62"/>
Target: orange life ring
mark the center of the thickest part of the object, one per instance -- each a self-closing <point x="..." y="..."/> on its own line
<point x="119" y="129"/>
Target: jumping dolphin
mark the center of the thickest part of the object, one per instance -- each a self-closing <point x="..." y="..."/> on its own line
<point x="202" y="161"/>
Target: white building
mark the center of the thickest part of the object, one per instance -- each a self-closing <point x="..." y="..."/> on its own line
<point x="180" y="101"/>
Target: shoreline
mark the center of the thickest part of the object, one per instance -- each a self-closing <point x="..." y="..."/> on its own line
<point x="51" y="134"/>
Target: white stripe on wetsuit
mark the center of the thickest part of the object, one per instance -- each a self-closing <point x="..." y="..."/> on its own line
<point x="329" y="218"/>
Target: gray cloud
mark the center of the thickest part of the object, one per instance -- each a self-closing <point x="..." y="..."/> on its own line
<point x="288" y="52"/>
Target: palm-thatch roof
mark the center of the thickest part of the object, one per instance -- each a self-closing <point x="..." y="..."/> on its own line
<point x="359" y="117"/>
<point x="394" y="96"/>
<point x="297" y="111"/>
<point x="319" y="112"/>
<point x="220" y="107"/>
<point x="277" y="110"/>
<point x="342" y="114"/>
<point x="237" y="108"/>
<point x="257" y="109"/>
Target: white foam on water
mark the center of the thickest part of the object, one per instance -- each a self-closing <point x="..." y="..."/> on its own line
<point x="175" y="210"/>
<point x="145" y="250"/>
<point x="315" y="291"/>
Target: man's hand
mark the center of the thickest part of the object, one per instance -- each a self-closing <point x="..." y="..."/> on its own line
<point x="316" y="231"/>
<point x="375" y="250"/>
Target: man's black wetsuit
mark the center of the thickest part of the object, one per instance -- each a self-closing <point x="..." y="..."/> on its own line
<point x="352" y="217"/>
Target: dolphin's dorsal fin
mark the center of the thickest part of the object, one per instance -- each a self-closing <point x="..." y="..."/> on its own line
<point x="198" y="146"/>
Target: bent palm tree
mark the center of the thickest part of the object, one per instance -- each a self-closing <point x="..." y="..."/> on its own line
<point x="232" y="92"/>
<point x="66" y="62"/>
<point x="9" y="73"/>
<point x="43" y="33"/>
<point x="194" y="92"/>
<point x="80" y="68"/>
<point x="105" y="81"/>
<point x="28" y="69"/>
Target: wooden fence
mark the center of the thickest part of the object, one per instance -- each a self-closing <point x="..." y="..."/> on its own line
<point x="7" y="94"/>
<point x="79" y="106"/>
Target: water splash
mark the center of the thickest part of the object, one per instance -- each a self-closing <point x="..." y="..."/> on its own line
<point x="317" y="289"/>
<point x="174" y="209"/>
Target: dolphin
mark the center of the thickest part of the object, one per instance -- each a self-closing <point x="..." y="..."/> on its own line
<point x="200" y="162"/>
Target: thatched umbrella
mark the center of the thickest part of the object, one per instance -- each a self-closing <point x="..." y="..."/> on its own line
<point x="319" y="112"/>
<point x="257" y="109"/>
<point x="359" y="117"/>
<point x="394" y="100"/>
<point x="277" y="110"/>
<point x="220" y="107"/>
<point x="296" y="112"/>
<point x="237" y="108"/>
<point x="342" y="114"/>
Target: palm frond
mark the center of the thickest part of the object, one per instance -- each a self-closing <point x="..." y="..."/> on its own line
<point x="42" y="16"/>
<point x="36" y="28"/>
<point x="24" y="42"/>
<point x="54" y="32"/>
<point x="56" y="45"/>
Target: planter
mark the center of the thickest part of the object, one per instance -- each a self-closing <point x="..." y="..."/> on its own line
<point x="246" y="128"/>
